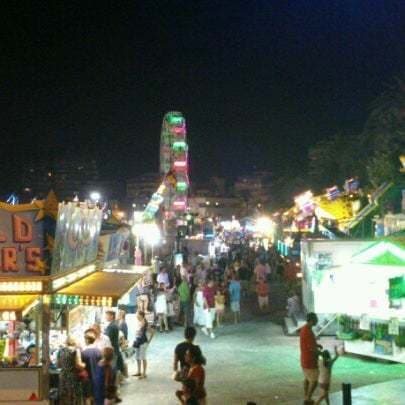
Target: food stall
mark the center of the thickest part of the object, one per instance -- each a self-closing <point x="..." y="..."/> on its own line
<point x="322" y="261"/>
<point x="374" y="325"/>
<point x="360" y="284"/>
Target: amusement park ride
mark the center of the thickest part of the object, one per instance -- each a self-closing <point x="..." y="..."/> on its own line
<point x="171" y="195"/>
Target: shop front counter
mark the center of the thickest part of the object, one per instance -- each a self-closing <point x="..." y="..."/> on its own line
<point x="20" y="384"/>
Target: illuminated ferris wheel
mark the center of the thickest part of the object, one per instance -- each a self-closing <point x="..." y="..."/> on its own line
<point x="174" y="162"/>
<point x="172" y="192"/>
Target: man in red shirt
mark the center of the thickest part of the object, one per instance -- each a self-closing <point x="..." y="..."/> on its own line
<point x="309" y="357"/>
<point x="209" y="292"/>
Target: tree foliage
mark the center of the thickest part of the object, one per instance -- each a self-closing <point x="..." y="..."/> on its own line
<point x="373" y="154"/>
<point x="334" y="160"/>
<point x="384" y="134"/>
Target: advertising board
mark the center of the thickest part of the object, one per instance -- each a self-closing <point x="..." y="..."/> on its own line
<point x="76" y="237"/>
<point x="21" y="241"/>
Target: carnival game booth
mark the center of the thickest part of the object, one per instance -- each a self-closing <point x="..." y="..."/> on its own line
<point x="83" y="285"/>
<point x="51" y="261"/>
<point x="86" y="300"/>
<point x="23" y="291"/>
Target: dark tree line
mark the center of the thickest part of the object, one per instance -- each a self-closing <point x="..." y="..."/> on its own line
<point x="373" y="154"/>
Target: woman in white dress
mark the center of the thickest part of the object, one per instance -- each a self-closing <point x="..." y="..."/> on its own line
<point x="199" y="313"/>
<point x="161" y="307"/>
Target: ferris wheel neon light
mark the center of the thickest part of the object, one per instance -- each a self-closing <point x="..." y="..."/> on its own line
<point x="173" y="191"/>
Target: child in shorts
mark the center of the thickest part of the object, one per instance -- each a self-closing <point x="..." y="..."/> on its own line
<point x="219" y="306"/>
<point x="262" y="290"/>
<point x="325" y="364"/>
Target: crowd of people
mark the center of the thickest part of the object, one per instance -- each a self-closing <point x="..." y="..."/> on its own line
<point x="201" y="292"/>
<point x="197" y="294"/>
<point x="91" y="371"/>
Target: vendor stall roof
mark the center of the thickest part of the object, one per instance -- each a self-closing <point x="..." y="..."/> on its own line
<point x="103" y="284"/>
<point x="385" y="252"/>
<point x="16" y="302"/>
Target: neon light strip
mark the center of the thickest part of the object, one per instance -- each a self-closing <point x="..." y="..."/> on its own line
<point x="179" y="203"/>
<point x="24" y="286"/>
<point x="179" y="145"/>
<point x="180" y="163"/>
<point x="70" y="278"/>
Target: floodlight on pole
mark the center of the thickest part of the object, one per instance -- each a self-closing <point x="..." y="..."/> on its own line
<point x="264" y="226"/>
<point x="95" y="196"/>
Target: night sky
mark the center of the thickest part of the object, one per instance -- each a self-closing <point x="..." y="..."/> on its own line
<point x="258" y="81"/>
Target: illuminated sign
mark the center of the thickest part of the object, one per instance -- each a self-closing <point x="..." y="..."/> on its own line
<point x="21" y="241"/>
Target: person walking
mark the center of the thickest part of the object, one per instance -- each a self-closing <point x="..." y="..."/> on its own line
<point x="209" y="308"/>
<point x="262" y="290"/>
<point x="184" y="296"/>
<point x="244" y="276"/>
<point x="309" y="357"/>
<point x="138" y="256"/>
<point x="70" y="362"/>
<point x="91" y="356"/>
<point x="180" y="367"/>
<point x="161" y="308"/>
<point x="163" y="277"/>
<point x="219" y="306"/>
<point x="199" y="314"/>
<point x="260" y="271"/>
<point x="105" y="390"/>
<point x="143" y="293"/>
<point x="234" y="297"/>
<point x="141" y="344"/>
